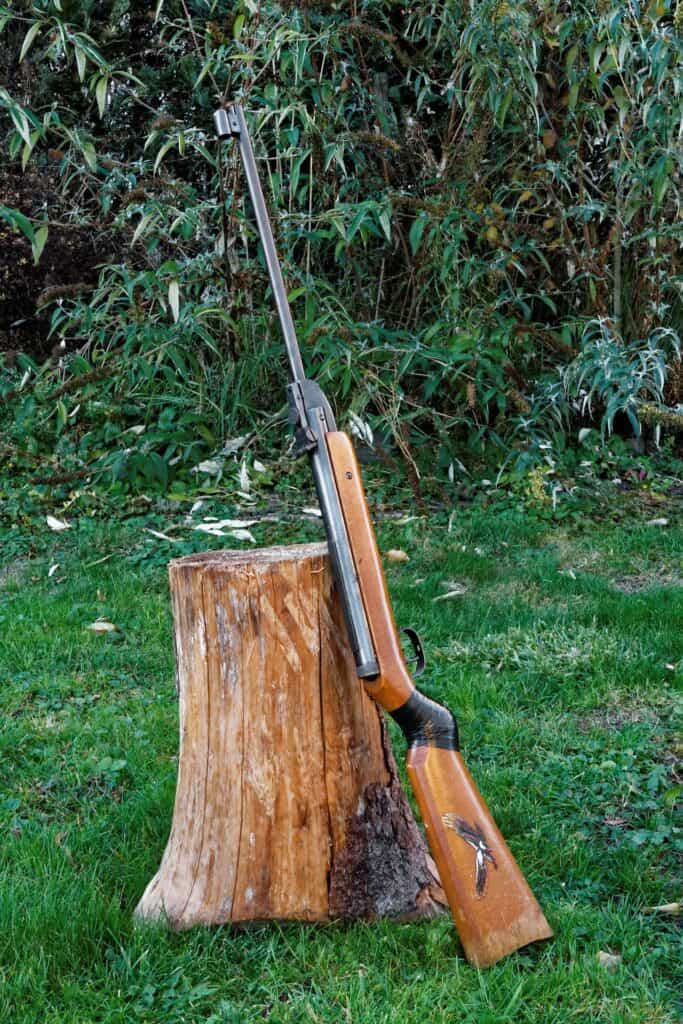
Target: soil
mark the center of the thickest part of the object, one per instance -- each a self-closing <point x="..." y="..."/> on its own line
<point x="71" y="256"/>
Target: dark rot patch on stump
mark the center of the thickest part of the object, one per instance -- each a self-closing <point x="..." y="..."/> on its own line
<point x="384" y="869"/>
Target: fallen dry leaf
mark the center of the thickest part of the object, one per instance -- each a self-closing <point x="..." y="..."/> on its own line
<point x="454" y="589"/>
<point x="225" y="524"/>
<point x="361" y="429"/>
<point x="57" y="524"/>
<point x="102" y="626"/>
<point x="230" y="447"/>
<point x="666" y="908"/>
<point x="549" y="138"/>
<point x="395" y="555"/>
<point x="210" y="466"/>
<point x="161" y="536"/>
<point x="610" y="961"/>
<point x="243" y="535"/>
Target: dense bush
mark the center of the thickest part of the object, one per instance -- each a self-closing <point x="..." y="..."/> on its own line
<point x="477" y="206"/>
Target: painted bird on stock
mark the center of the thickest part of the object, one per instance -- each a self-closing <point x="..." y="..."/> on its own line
<point x="474" y="837"/>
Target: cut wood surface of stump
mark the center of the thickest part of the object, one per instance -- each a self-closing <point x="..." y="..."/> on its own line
<point x="288" y="803"/>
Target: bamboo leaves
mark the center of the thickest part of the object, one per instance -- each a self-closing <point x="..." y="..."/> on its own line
<point x="29" y="39"/>
<point x="174" y="299"/>
<point x="37" y="237"/>
<point x="461" y="199"/>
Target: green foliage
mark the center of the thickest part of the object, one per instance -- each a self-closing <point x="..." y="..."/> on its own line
<point x="23" y="224"/>
<point x="460" y="193"/>
<point x="620" y="375"/>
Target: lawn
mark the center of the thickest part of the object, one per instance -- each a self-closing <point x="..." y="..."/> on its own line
<point x="561" y="651"/>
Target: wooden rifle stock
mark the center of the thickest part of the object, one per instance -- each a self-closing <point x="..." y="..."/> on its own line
<point x="494" y="909"/>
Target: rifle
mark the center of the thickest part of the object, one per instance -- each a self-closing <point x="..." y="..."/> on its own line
<point x="494" y="910"/>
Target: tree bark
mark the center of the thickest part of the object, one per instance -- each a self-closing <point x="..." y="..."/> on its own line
<point x="288" y="802"/>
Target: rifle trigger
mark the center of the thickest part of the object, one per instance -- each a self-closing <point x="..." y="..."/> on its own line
<point x="419" y="655"/>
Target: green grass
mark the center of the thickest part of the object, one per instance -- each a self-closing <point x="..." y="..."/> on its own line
<point x="562" y="658"/>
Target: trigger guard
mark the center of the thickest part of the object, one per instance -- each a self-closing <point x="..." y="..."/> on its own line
<point x="419" y="659"/>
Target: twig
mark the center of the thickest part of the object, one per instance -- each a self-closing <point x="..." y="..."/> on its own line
<point x="98" y="561"/>
<point x="62" y="478"/>
<point x="196" y="44"/>
<point x="101" y="373"/>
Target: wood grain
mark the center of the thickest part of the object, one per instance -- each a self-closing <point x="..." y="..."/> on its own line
<point x="394" y="685"/>
<point x="288" y="804"/>
<point x="501" y="914"/>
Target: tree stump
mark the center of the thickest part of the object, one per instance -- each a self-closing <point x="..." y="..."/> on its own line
<point x="288" y="803"/>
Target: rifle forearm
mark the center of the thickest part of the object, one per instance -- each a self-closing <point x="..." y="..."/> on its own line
<point x="339" y="547"/>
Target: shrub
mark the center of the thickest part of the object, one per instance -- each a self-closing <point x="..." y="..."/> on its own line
<point x="459" y="197"/>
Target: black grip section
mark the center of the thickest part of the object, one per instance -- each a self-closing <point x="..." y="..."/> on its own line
<point x="425" y="723"/>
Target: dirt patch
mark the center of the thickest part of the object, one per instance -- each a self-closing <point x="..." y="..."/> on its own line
<point x="72" y="256"/>
<point x="571" y="553"/>
<point x="11" y="573"/>
<point x="616" y="716"/>
<point x="509" y="590"/>
<point x="637" y="582"/>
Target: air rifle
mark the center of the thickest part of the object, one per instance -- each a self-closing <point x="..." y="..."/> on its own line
<point x="494" y="909"/>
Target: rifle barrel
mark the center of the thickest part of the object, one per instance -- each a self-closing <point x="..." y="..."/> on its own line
<point x="311" y="411"/>
<point x="231" y="122"/>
